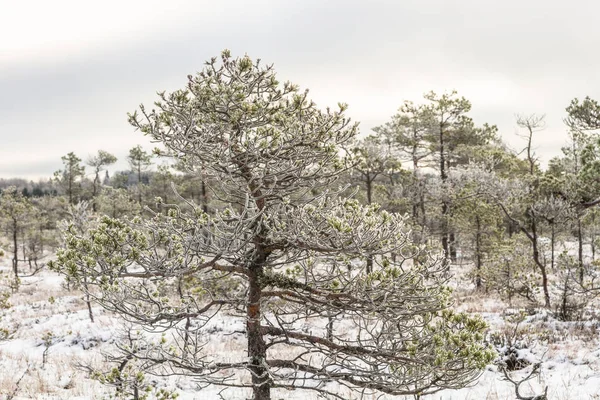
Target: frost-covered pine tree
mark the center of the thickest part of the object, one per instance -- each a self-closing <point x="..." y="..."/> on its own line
<point x="4" y="302"/>
<point x="16" y="215"/>
<point x="282" y="255"/>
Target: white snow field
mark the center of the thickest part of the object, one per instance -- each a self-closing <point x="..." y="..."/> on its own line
<point x="569" y="351"/>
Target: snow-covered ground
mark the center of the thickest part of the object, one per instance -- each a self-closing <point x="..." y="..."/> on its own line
<point x="48" y="318"/>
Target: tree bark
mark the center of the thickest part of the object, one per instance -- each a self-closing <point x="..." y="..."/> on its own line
<point x="416" y="205"/>
<point x="593" y="236"/>
<point x="580" y="249"/>
<point x="445" y="208"/>
<point x="452" y="243"/>
<point x="139" y="171"/>
<point x="15" y="253"/>
<point x="478" y="252"/>
<point x="95" y="191"/>
<point x="445" y="238"/>
<point x="533" y="237"/>
<point x="369" y="185"/>
<point x="552" y="243"/>
<point x="257" y="350"/>
<point x="87" y="298"/>
<point x="70" y="188"/>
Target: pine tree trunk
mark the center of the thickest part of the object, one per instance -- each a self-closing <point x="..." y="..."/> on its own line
<point x="552" y="244"/>
<point x="445" y="208"/>
<point x="94" y="192"/>
<point x="478" y="252"/>
<point x="257" y="351"/>
<point x="204" y="197"/>
<point x="593" y="237"/>
<point x="369" y="184"/>
<point x="580" y="249"/>
<point x="87" y="299"/>
<point x="445" y="238"/>
<point x="15" y="254"/>
<point x="453" y="251"/>
<point x="415" y="205"/>
<point x="70" y="190"/>
<point x="188" y="321"/>
<point x="538" y="262"/>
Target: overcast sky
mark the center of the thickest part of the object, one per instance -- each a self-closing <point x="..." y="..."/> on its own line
<point x="71" y="70"/>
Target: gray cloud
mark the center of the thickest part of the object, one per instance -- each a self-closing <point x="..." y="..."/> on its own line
<point x="506" y="57"/>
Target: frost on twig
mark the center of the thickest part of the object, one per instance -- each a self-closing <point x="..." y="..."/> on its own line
<point x="281" y="251"/>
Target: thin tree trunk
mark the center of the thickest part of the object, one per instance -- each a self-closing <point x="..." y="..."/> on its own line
<point x="330" y="321"/>
<point x="422" y="204"/>
<point x="536" y="259"/>
<point x="509" y="282"/>
<point x="445" y="238"/>
<point x="416" y="205"/>
<point x="41" y="240"/>
<point x="552" y="243"/>
<point x="529" y="153"/>
<point x="453" y="250"/>
<point x="580" y="249"/>
<point x="23" y="247"/>
<point x="445" y="208"/>
<point x="95" y="191"/>
<point x="563" y="306"/>
<point x="369" y="185"/>
<point x="593" y="236"/>
<point x="204" y="197"/>
<point x="478" y="252"/>
<point x="15" y="254"/>
<point x="70" y="190"/>
<point x="87" y="298"/>
<point x="139" y="171"/>
<point x="188" y="322"/>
